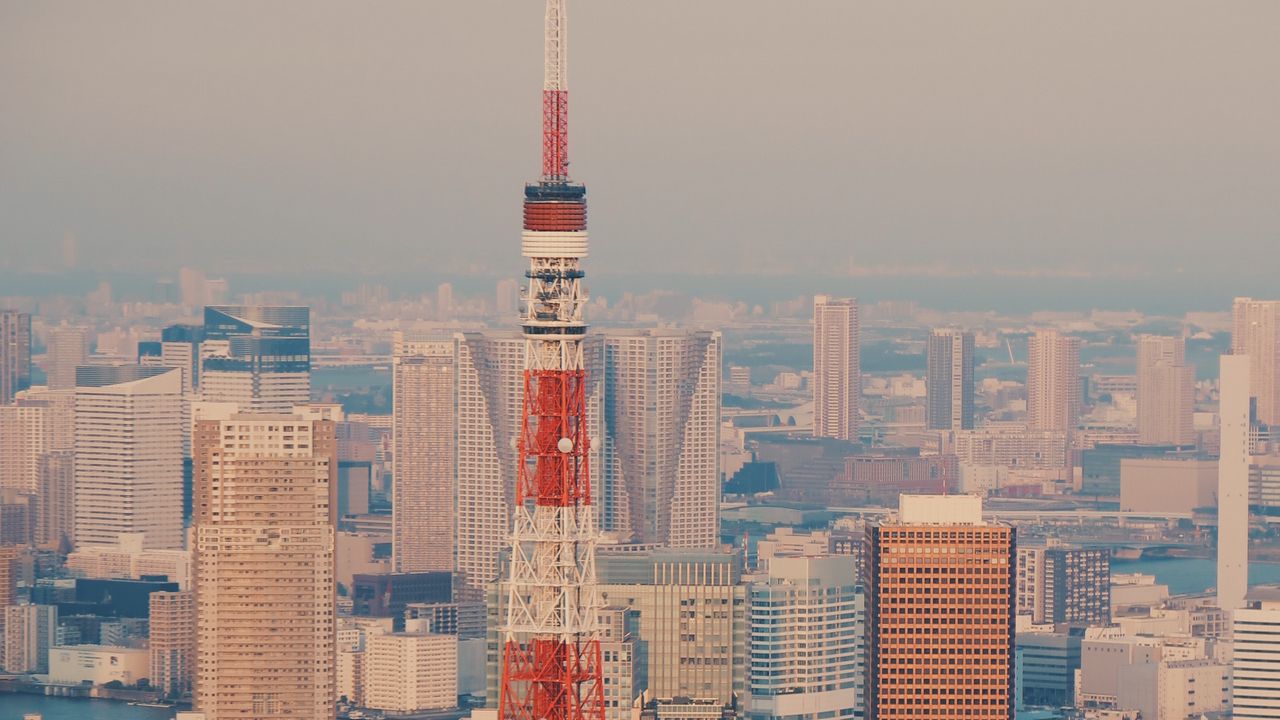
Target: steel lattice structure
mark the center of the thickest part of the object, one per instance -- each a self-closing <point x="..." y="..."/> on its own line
<point x="551" y="667"/>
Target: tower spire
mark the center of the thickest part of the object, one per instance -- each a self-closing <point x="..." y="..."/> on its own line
<point x="555" y="94"/>
<point x="551" y="663"/>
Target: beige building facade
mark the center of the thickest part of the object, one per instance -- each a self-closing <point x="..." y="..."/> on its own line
<point x="264" y="586"/>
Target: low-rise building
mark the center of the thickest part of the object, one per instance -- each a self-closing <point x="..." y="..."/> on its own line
<point x="1167" y="485"/>
<point x="410" y="672"/>
<point x="98" y="664"/>
<point x="128" y="559"/>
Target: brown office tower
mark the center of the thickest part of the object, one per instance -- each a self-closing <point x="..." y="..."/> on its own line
<point x="940" y="613"/>
<point x="264" y="566"/>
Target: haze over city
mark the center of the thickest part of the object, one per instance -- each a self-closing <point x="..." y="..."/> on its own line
<point x="922" y="361"/>
<point x="745" y="138"/>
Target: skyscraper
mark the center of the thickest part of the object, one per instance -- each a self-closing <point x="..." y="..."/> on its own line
<point x="424" y="378"/>
<point x="264" y="566"/>
<point x="807" y="640"/>
<point x="940" y="612"/>
<point x="15" y="354"/>
<point x="949" y="380"/>
<point x="661" y="482"/>
<point x="1166" y="392"/>
<point x="68" y="349"/>
<point x="172" y="641"/>
<point x="490" y="389"/>
<point x="128" y="454"/>
<point x="256" y="356"/>
<point x="1255" y="332"/>
<point x="837" y="367"/>
<point x="1053" y="381"/>
<point x="1233" y="480"/>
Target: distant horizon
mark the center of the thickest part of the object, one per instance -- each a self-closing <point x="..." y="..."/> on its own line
<point x="1163" y="294"/>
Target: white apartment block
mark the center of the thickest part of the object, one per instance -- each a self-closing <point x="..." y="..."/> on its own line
<point x="661" y="481"/>
<point x="128" y="455"/>
<point x="410" y="672"/>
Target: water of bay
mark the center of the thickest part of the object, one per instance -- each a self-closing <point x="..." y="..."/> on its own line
<point x="14" y="706"/>
<point x="1193" y="575"/>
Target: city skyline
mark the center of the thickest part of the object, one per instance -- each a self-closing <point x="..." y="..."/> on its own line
<point x="897" y="450"/>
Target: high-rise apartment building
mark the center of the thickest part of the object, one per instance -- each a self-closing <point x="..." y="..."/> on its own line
<point x="661" y="480"/>
<point x="1255" y="683"/>
<point x="15" y="354"/>
<point x="806" y="641"/>
<point x="1255" y="332"/>
<point x="256" y="356"/>
<point x="68" y="349"/>
<point x="949" y="380"/>
<point x="1053" y="381"/>
<point x="940" y="612"/>
<point x="264" y="585"/>
<point x="128" y="454"/>
<point x="837" y="367"/>
<point x="1166" y="392"/>
<point x="172" y="641"/>
<point x="424" y="378"/>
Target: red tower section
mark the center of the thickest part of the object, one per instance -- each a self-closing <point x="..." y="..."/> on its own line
<point x="551" y="665"/>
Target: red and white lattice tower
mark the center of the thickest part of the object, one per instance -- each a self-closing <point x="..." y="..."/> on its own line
<point x="551" y="664"/>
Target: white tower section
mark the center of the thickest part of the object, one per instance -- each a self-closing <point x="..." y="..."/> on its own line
<point x="1233" y="482"/>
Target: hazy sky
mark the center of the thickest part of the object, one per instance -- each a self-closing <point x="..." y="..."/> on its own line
<point x="737" y="136"/>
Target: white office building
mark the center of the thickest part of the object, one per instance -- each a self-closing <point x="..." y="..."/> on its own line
<point x="807" y="640"/>
<point x="128" y="455"/>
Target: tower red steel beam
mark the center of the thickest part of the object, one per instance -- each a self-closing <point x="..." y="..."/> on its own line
<point x="551" y="665"/>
